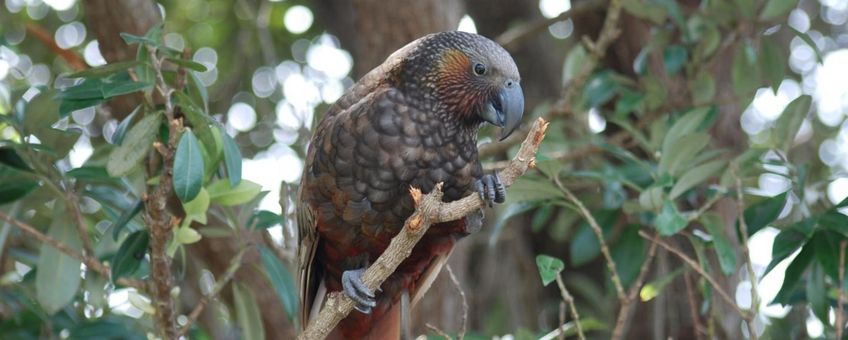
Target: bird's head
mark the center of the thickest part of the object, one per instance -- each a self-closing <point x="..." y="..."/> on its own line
<point x="472" y="77"/>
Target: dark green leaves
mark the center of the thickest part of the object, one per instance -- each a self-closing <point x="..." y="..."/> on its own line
<point x="129" y="256"/>
<point x="281" y="280"/>
<point x="790" y="121"/>
<point x="726" y="254"/>
<point x="232" y="159"/>
<point x="264" y="219"/>
<point x="744" y="70"/>
<point x="549" y="268"/>
<point x="793" y="274"/>
<point x="599" y="89"/>
<point x="138" y="141"/>
<point x="674" y="57"/>
<point x="93" y="91"/>
<point x="776" y="8"/>
<point x="188" y="167"/>
<point x="628" y="254"/>
<point x="763" y="212"/>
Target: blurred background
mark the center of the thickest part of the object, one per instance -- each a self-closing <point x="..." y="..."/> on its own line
<point x="274" y="67"/>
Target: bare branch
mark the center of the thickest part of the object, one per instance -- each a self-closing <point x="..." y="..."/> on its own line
<point x="694" y="265"/>
<point x="90" y="262"/>
<point x="566" y="297"/>
<point x="464" y="323"/>
<point x="429" y="209"/>
<point x="752" y="275"/>
<point x="627" y="307"/>
<point x="616" y="280"/>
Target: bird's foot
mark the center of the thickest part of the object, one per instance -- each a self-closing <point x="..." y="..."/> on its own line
<point x="357" y="291"/>
<point x="491" y="189"/>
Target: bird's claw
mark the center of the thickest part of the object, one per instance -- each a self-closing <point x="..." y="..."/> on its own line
<point x="357" y="291"/>
<point x="490" y="189"/>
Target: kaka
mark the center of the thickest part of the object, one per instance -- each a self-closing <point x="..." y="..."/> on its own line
<point x="410" y="122"/>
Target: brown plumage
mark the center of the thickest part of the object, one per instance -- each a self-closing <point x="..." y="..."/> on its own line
<point x="412" y="121"/>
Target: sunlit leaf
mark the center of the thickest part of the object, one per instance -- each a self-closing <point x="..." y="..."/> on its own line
<point x="188" y="167"/>
<point x="696" y="176"/>
<point x="281" y="280"/>
<point x="654" y="288"/>
<point x="549" y="268"/>
<point x="195" y="210"/>
<point x="220" y="192"/>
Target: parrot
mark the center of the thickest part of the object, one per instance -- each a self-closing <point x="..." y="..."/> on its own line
<point x="411" y="122"/>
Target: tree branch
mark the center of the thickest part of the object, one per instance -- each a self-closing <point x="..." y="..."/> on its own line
<point x="626" y="309"/>
<point x="566" y="297"/>
<point x="752" y="275"/>
<point x="90" y="262"/>
<point x="694" y="265"/>
<point x="429" y="209"/>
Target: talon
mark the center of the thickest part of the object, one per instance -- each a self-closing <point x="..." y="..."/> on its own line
<point x="357" y="291"/>
<point x="500" y="190"/>
<point x="490" y="188"/>
<point x="478" y="185"/>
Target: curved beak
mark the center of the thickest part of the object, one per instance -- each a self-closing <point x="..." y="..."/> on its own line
<point x="506" y="108"/>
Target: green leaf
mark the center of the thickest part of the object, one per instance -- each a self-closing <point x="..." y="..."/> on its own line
<point x="670" y="221"/>
<point x="826" y="244"/>
<point x="187" y="235"/>
<point x="191" y="65"/>
<point x="530" y="188"/>
<point x="106" y="328"/>
<point x="58" y="275"/>
<point x="90" y="173"/>
<point x="760" y="214"/>
<point x="232" y="158"/>
<point x="220" y="192"/>
<point x="629" y="254"/>
<point x="817" y="292"/>
<point x="703" y="88"/>
<point x="678" y="156"/>
<point x="122" y="88"/>
<point x="696" y="176"/>
<point x="247" y="313"/>
<point x="585" y="247"/>
<point x="281" y="280"/>
<point x="793" y="274"/>
<point x="789" y="240"/>
<point x="549" y="268"/>
<point x="725" y="251"/>
<point x="195" y="210"/>
<point x="10" y="157"/>
<point x="674" y="57"/>
<point x="790" y="121"/>
<point x="70" y="105"/>
<point x="645" y="10"/>
<point x="744" y="72"/>
<point x="188" y="167"/>
<point x="201" y="90"/>
<point x="14" y="184"/>
<point x="139" y="140"/>
<point x="600" y="88"/>
<point x="776" y="8"/>
<point x="684" y="126"/>
<point x="745" y="8"/>
<point x="125" y="218"/>
<point x="130" y="255"/>
<point x="573" y="63"/>
<point x="809" y="41"/>
<point x="264" y="219"/>
<point x="773" y="62"/>
<point x="640" y="63"/>
<point x="121" y="130"/>
<point x="105" y="70"/>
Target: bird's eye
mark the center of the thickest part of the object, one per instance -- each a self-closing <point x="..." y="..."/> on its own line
<point x="479" y="69"/>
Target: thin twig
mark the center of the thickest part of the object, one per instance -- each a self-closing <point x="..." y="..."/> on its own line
<point x="840" y="304"/>
<point x="464" y="324"/>
<point x="752" y="276"/>
<point x="90" y="262"/>
<point x="234" y="266"/>
<point x="429" y="209"/>
<point x="616" y="280"/>
<point x="438" y="331"/>
<point x="68" y="55"/>
<point x="694" y="265"/>
<point x="693" y="306"/>
<point x="627" y="307"/>
<point x="82" y="228"/>
<point x="566" y="297"/>
<point x="510" y="39"/>
<point x="561" y="335"/>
